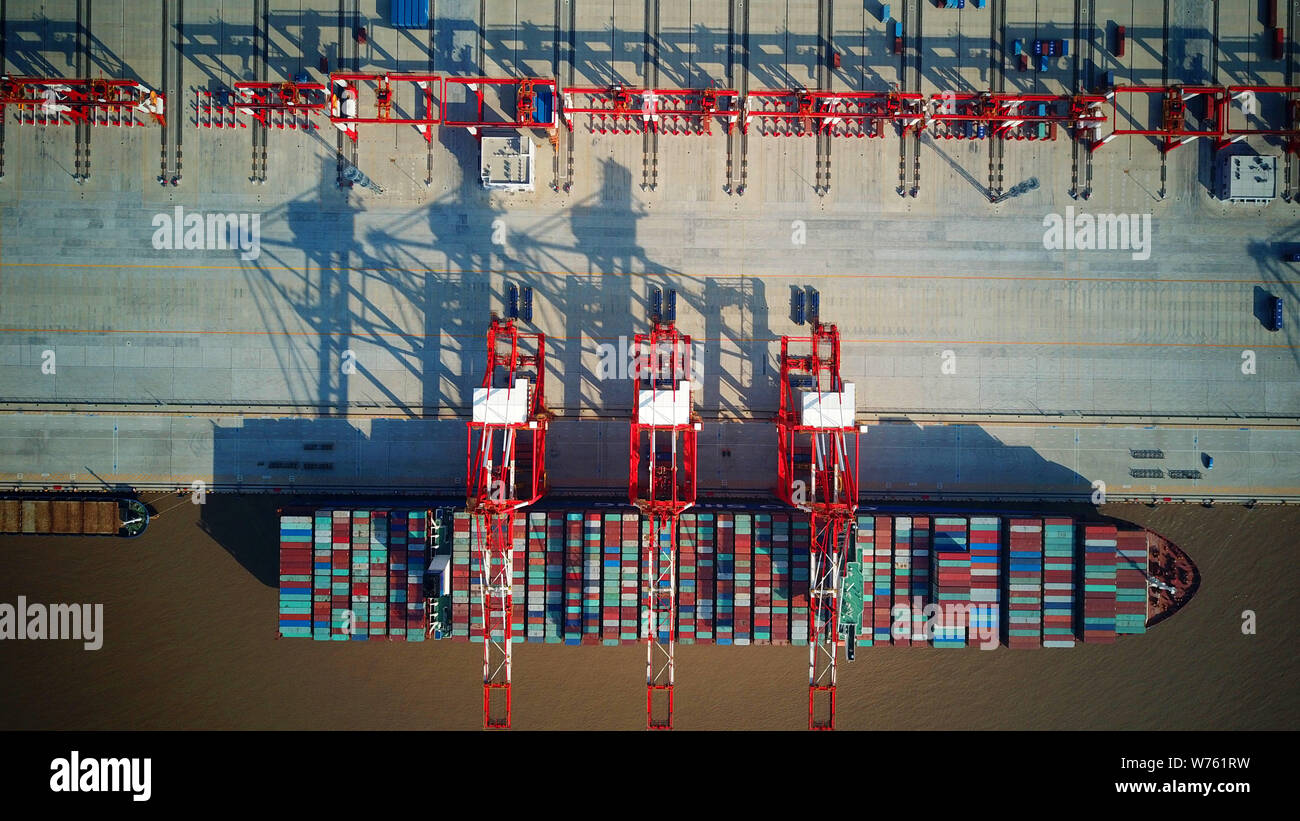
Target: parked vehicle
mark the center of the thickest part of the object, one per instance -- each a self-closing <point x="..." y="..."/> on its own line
<point x="1275" y="315"/>
<point x="1121" y="37"/>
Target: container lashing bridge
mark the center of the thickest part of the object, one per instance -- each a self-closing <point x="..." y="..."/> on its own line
<point x="817" y="470"/>
<point x="506" y="472"/>
<point x="662" y="484"/>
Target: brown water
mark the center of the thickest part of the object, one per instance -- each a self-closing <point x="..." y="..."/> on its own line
<point x="190" y="643"/>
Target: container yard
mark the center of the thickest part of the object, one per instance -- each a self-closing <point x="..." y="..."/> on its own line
<point x="952" y="277"/>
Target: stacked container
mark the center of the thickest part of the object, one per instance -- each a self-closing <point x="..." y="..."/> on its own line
<point x="417" y="558"/>
<point x="296" y="567"/>
<point x="1025" y="584"/>
<point x="763" y="578"/>
<point x="555" y="578"/>
<point x="1058" y="583"/>
<point x="477" y="572"/>
<point x="985" y="591"/>
<point x="743" y="610"/>
<point x="460" y="577"/>
<point x="902" y="631"/>
<point x="630" y="595"/>
<point x="1099" y="584"/>
<point x="573" y="578"/>
<point x="591" y="561"/>
<point x="398" y="536"/>
<point x="341" y="575"/>
<point x="535" y="601"/>
<point x="1130" y="582"/>
<point x="705" y="569"/>
<point x="360" y="594"/>
<point x="686" y="579"/>
<point x="378" y="592"/>
<point x="799" y="561"/>
<point x="780" y="578"/>
<point x="353" y="579"/>
<point x="867" y="556"/>
<point x="883" y="578"/>
<point x="323" y="573"/>
<point x="518" y="578"/>
<point x="921" y="592"/>
<point x="725" y="591"/>
<point x="952" y="581"/>
<point x="611" y="553"/>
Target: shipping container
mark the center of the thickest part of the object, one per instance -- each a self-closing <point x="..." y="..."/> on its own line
<point x="409" y="13"/>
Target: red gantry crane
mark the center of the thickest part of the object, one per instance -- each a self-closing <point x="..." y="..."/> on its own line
<point x="818" y="473"/>
<point x="55" y="101"/>
<point x="505" y="459"/>
<point x="662" y="483"/>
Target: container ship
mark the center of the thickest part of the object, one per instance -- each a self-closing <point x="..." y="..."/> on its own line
<point x="72" y="515"/>
<point x="939" y="578"/>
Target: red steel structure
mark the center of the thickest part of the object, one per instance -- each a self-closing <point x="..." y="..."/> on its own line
<point x="524" y="103"/>
<point x="1289" y="131"/>
<point x="278" y="105"/>
<point x="1004" y="113"/>
<point x="55" y="101"/>
<point x="817" y="471"/>
<point x="621" y="110"/>
<point x="1174" y="129"/>
<point x="506" y="471"/>
<point x="380" y="99"/>
<point x="664" y="431"/>
<point x="806" y="113"/>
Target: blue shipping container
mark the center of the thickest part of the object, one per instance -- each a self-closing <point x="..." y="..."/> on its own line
<point x="410" y="13"/>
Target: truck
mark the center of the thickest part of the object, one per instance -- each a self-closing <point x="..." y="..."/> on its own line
<point x="1121" y="37"/>
<point x="1270" y="13"/>
<point x="36" y="514"/>
<point x="1279" y="43"/>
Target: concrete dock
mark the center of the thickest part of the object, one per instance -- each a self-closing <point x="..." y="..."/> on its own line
<point x="987" y="364"/>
